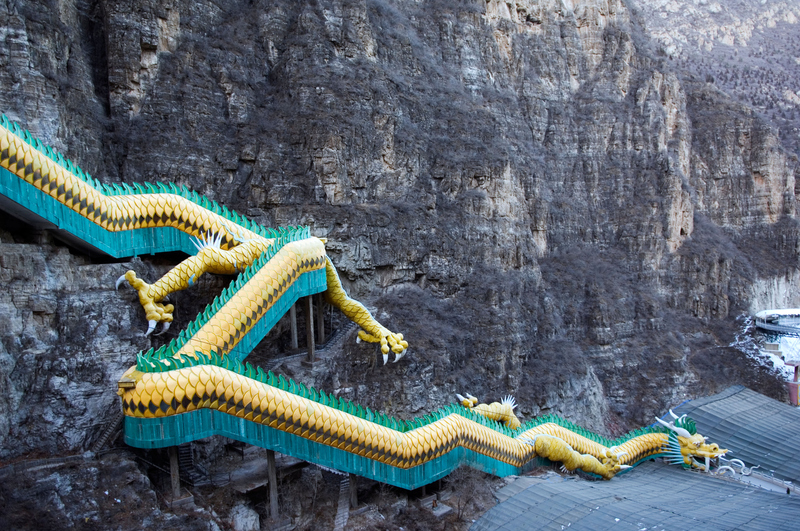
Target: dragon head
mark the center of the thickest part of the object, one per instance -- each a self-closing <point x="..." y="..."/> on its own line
<point x="684" y="444"/>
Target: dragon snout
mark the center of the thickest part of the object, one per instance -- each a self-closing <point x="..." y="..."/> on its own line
<point x="710" y="450"/>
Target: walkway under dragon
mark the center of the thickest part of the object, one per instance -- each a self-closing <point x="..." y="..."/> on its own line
<point x="196" y="386"/>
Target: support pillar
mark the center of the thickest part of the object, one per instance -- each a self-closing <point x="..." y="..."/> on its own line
<point x="174" y="472"/>
<point x="272" y="476"/>
<point x="353" y="491"/>
<point x="320" y="319"/>
<point x="309" y="310"/>
<point x="293" y="324"/>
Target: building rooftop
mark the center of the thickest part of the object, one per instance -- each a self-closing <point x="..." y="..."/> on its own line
<point x="655" y="496"/>
<point x="652" y="496"/>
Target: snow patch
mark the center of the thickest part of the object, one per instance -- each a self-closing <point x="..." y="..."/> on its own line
<point x="746" y="342"/>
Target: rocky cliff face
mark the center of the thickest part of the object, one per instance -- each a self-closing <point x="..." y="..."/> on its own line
<point x="536" y="200"/>
<point x="749" y="49"/>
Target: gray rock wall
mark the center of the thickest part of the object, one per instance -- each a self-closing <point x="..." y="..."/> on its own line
<point x="540" y="204"/>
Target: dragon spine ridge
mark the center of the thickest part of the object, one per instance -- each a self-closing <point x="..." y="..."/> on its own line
<point x="155" y="362"/>
<point x="286" y="236"/>
<point x="164" y="361"/>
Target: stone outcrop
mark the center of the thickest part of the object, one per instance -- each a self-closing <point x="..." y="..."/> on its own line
<point x="748" y="49"/>
<point x="535" y="199"/>
<point x="108" y="493"/>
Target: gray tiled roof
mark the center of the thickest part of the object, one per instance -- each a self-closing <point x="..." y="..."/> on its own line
<point x="757" y="429"/>
<point x="652" y="496"/>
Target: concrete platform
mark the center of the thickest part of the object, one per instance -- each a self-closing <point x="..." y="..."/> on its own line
<point x="186" y="500"/>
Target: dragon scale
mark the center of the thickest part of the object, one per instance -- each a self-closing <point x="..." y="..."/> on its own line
<point x="195" y="386"/>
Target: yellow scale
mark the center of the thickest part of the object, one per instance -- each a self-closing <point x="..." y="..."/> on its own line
<point x="317" y="422"/>
<point x="187" y="389"/>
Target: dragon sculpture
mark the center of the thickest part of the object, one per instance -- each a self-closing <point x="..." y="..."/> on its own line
<point x="680" y="445"/>
<point x="295" y="259"/>
<point x="197" y="385"/>
<point x="226" y="243"/>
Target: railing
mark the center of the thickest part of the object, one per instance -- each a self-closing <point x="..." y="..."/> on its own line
<point x="785" y="321"/>
<point x="782" y="329"/>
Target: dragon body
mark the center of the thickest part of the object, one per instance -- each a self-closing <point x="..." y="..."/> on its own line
<point x="235" y="244"/>
<point x="502" y="411"/>
<point x="161" y="389"/>
<point x="196" y="386"/>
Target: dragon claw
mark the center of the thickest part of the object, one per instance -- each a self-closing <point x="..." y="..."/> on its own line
<point x="389" y="342"/>
<point x="151" y="325"/>
<point x="399" y="355"/>
<point x="163" y="329"/>
<point x="119" y="282"/>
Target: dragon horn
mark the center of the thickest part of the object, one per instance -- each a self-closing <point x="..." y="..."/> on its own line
<point x="674" y="416"/>
<point x="678" y="431"/>
<point x="663" y="423"/>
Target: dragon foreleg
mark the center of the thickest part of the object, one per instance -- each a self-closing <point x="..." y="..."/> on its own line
<point x="502" y="411"/>
<point x="209" y="259"/>
<point x="372" y="331"/>
<point x="556" y="449"/>
<point x="212" y="259"/>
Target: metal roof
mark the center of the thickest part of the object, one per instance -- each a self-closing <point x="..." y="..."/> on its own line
<point x="655" y="496"/>
<point x="757" y="429"/>
<point x="652" y="496"/>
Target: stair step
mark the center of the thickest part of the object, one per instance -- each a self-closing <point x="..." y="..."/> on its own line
<point x="343" y="508"/>
<point x="110" y="429"/>
<point x="192" y="473"/>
